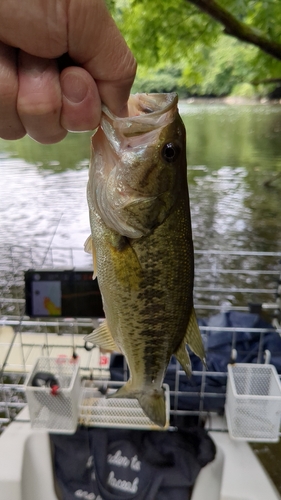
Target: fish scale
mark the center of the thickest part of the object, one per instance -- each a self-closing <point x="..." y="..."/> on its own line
<point x="142" y="246"/>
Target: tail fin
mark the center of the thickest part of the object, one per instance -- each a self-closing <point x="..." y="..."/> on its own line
<point x="153" y="405"/>
<point x="152" y="402"/>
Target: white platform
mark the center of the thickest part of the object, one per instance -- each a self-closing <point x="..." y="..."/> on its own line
<point x="235" y="474"/>
<point x="28" y="347"/>
<point x="26" y="468"/>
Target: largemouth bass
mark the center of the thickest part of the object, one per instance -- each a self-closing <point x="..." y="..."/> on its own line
<point x="142" y="244"/>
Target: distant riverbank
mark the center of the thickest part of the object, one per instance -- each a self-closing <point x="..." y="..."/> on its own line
<point x="231" y="100"/>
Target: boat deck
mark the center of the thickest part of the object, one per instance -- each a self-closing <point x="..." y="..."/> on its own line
<point x="225" y="281"/>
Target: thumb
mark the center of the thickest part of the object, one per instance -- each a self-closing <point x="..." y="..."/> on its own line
<point x="98" y="46"/>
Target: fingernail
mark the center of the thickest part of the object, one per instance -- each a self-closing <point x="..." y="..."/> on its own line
<point x="74" y="88"/>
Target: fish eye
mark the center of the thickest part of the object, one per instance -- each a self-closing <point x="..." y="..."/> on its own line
<point x="170" y="152"/>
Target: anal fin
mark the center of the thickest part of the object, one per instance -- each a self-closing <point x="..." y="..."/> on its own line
<point x="194" y="340"/>
<point x="193" y="337"/>
<point x="102" y="337"/>
<point x="183" y="358"/>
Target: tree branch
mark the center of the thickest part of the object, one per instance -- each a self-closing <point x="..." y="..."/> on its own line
<point x="237" y="28"/>
<point x="266" y="80"/>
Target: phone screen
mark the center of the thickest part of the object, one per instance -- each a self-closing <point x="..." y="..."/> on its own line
<point x="66" y="293"/>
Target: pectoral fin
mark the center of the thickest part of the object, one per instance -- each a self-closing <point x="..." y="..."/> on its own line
<point x="102" y="337"/>
<point x="88" y="245"/>
<point x="89" y="248"/>
<point x="126" y="263"/>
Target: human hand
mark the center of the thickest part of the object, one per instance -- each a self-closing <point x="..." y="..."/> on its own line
<point x="35" y="96"/>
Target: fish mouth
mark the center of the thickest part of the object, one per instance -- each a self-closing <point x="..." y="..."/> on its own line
<point x="148" y="115"/>
<point x="147" y="112"/>
<point x="126" y="153"/>
<point x="143" y="104"/>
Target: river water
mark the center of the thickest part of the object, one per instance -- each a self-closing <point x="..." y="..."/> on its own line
<point x="232" y="152"/>
<point x="234" y="159"/>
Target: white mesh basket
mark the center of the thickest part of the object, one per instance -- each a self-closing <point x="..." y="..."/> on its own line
<point x="253" y="402"/>
<point x="98" y="411"/>
<point x="55" y="410"/>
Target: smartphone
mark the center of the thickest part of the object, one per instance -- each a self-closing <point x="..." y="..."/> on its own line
<point x="62" y="293"/>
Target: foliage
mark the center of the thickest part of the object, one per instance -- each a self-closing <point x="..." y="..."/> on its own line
<point x="162" y="79"/>
<point x="157" y="31"/>
<point x="243" y="90"/>
<point x="178" y="45"/>
<point x="228" y="66"/>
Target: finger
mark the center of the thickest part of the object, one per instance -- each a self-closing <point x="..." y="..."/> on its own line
<point x="96" y="43"/>
<point x="115" y="95"/>
<point x="35" y="26"/>
<point x="10" y="124"/>
<point x="39" y="98"/>
<point x="81" y="105"/>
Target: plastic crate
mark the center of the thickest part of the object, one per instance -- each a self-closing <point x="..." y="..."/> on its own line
<point x="253" y="402"/>
<point x="55" y="410"/>
<point x="98" y="411"/>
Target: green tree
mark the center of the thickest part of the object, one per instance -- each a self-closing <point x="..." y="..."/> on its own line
<point x="233" y="40"/>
